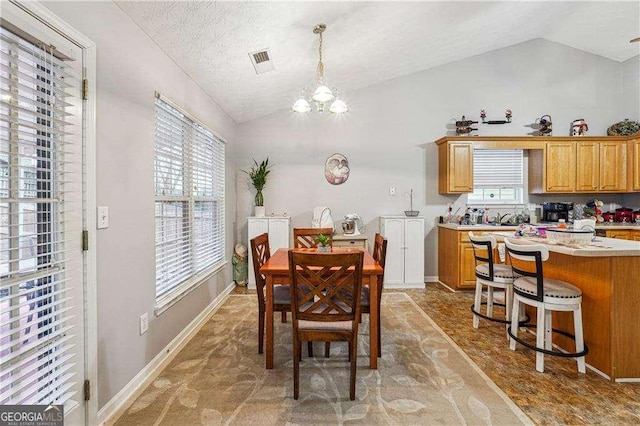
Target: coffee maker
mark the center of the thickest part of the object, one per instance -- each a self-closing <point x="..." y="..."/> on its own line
<point x="553" y="212"/>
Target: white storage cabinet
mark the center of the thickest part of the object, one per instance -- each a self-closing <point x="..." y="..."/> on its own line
<point x="278" y="228"/>
<point x="405" y="250"/>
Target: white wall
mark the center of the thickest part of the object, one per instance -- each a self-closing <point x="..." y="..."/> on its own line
<point x="388" y="134"/>
<point x="129" y="69"/>
<point x="631" y="88"/>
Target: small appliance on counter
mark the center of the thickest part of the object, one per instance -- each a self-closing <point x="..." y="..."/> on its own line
<point x="553" y="212"/>
<point x="352" y="224"/>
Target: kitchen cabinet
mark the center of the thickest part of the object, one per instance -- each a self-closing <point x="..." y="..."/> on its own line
<point x="278" y="228"/>
<point x="601" y="166"/>
<point x="623" y="234"/>
<point x="559" y="167"/>
<point x="456" y="264"/>
<point x="455" y="171"/>
<point x="634" y="154"/>
<point x="405" y="250"/>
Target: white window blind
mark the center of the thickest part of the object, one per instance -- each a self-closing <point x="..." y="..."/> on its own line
<point x="498" y="176"/>
<point x="189" y="207"/>
<point x="37" y="361"/>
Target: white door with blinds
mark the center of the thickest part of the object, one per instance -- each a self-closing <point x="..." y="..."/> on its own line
<point x="42" y="315"/>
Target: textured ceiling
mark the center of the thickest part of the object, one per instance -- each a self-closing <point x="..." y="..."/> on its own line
<point x="366" y="43"/>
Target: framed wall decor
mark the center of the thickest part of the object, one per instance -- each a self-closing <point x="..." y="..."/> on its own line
<point x="336" y="169"/>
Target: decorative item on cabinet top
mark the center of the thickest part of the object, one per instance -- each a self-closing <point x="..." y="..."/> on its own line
<point x="625" y="127"/>
<point x="258" y="176"/>
<point x="507" y="115"/>
<point x="544" y="125"/>
<point x="579" y="127"/>
<point x="463" y="126"/>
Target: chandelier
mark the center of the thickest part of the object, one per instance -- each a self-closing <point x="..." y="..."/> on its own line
<point x="322" y="96"/>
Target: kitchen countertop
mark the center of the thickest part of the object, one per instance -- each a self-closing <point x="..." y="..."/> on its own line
<point x="484" y="227"/>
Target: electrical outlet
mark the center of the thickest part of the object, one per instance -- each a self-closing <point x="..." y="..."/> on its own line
<point x="392" y="191"/>
<point x="144" y="323"/>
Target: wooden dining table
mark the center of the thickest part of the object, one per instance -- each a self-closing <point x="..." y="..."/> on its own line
<point x="276" y="271"/>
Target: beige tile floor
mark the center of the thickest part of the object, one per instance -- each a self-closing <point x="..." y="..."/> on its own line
<point x="560" y="395"/>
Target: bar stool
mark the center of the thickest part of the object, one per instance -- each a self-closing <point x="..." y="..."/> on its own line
<point x="492" y="275"/>
<point x="546" y="295"/>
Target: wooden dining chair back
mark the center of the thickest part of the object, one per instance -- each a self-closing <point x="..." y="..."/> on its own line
<point x="379" y="255"/>
<point x="306" y="237"/>
<point x="325" y="294"/>
<point x="260" y="253"/>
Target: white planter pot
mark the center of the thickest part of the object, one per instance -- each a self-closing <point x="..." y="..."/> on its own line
<point x="259" y="211"/>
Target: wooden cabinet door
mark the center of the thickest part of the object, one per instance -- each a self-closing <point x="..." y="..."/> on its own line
<point x="636" y="235"/>
<point x="560" y="167"/>
<point x="613" y="166"/>
<point x="635" y="162"/>
<point x="460" y="167"/>
<point x="468" y="266"/>
<point x="587" y="166"/>
<point x="621" y="234"/>
<point x="393" y="230"/>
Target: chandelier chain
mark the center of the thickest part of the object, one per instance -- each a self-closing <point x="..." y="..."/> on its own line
<point x="320" y="69"/>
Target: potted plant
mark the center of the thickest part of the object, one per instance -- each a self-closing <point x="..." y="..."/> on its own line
<point x="258" y="175"/>
<point x="323" y="241"/>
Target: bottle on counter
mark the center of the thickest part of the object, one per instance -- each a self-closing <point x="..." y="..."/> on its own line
<point x="562" y="223"/>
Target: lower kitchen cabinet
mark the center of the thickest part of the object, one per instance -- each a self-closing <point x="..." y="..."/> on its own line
<point x="456" y="264"/>
<point x="405" y="250"/>
<point x="624" y="234"/>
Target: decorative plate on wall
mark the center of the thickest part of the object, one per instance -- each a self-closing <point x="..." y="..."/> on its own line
<point x="336" y="169"/>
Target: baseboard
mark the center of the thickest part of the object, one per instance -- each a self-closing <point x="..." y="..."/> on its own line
<point x="431" y="279"/>
<point x="113" y="409"/>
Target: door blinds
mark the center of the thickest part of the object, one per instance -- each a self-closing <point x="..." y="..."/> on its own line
<point x="37" y="362"/>
<point x="189" y="206"/>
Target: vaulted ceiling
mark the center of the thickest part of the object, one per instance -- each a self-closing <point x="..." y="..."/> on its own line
<point x="365" y="43"/>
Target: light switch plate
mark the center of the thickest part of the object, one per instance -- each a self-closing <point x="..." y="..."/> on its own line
<point x="103" y="217"/>
<point x="144" y="323"/>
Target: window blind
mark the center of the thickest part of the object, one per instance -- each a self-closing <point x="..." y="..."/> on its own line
<point x="189" y="206"/>
<point x="37" y="360"/>
<point x="497" y="168"/>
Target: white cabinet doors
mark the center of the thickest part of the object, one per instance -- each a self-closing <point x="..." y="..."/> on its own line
<point x="278" y="230"/>
<point x="405" y="250"/>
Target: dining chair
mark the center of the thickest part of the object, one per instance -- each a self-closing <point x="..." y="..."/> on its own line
<point x="325" y="304"/>
<point x="281" y="294"/>
<point x="306" y="237"/>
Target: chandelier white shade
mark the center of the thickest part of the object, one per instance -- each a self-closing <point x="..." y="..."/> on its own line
<point x="322" y="96"/>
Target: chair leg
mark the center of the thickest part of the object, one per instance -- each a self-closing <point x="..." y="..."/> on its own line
<point x="477" y="304"/>
<point x="284" y="317"/>
<point x="260" y="330"/>
<point x="353" y="359"/>
<point x="490" y="301"/>
<point x="508" y="299"/>
<point x="548" y="330"/>
<point x="540" y="332"/>
<point x="515" y="313"/>
<point x="296" y="367"/>
<point x="310" y="349"/>
<point x="327" y="349"/>
<point x="379" y="335"/>
<point x="349" y="356"/>
<point x="577" y="327"/>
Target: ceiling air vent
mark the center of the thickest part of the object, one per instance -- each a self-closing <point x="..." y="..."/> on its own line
<point x="262" y="61"/>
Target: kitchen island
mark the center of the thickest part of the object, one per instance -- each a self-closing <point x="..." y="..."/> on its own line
<point x="608" y="273"/>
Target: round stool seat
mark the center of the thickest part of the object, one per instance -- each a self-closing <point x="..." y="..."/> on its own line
<point x="552" y="288"/>
<point x="501" y="273"/>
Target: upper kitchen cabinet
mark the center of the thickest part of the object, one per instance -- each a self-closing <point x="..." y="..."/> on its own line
<point x="634" y="155"/>
<point x="455" y="170"/>
<point x="601" y="166"/>
<point x="554" y="168"/>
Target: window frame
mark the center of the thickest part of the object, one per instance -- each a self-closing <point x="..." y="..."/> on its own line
<point x="519" y="188"/>
<point x="167" y="294"/>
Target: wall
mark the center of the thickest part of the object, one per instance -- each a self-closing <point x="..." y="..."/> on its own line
<point x="130" y="67"/>
<point x="388" y="134"/>
<point x="631" y="107"/>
